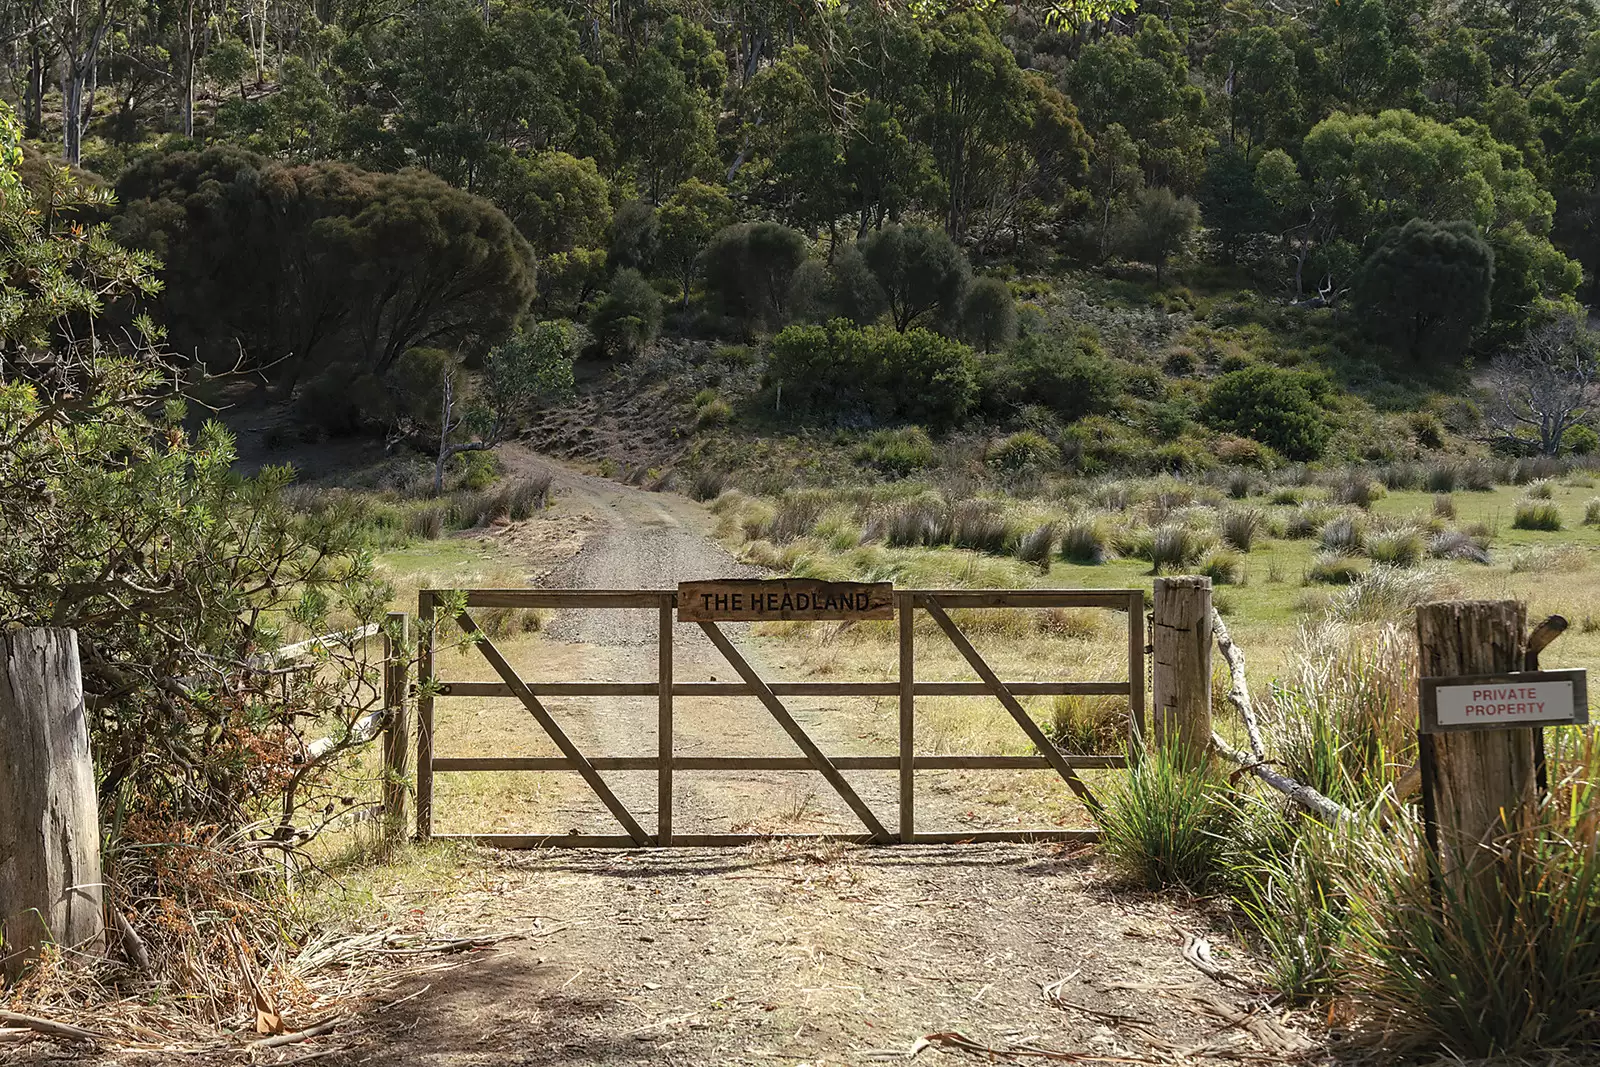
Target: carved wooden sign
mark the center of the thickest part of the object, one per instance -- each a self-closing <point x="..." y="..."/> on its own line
<point x="1500" y="701"/>
<point x="797" y="599"/>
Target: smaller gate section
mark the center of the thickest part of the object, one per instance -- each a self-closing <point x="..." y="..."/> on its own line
<point x="707" y="604"/>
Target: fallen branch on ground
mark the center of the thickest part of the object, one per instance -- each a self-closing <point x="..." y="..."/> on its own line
<point x="1303" y="795"/>
<point x="47" y="1027"/>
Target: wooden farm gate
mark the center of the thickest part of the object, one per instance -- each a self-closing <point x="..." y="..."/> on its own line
<point x="935" y="603"/>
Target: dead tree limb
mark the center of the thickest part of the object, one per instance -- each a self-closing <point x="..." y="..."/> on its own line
<point x="1303" y="795"/>
<point x="47" y="1027"/>
<point x="1239" y="692"/>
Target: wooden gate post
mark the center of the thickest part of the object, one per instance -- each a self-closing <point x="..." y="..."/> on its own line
<point x="1479" y="778"/>
<point x="1182" y="665"/>
<point x="50" y="877"/>
<point x="397" y="723"/>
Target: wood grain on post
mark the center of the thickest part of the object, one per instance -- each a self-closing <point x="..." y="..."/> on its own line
<point x="50" y="877"/>
<point x="1481" y="777"/>
<point x="397" y="731"/>
<point x="1181" y="683"/>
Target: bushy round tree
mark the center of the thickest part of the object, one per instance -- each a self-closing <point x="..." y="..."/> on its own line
<point x="989" y="315"/>
<point x="629" y="316"/>
<point x="1425" y="289"/>
<point x="921" y="271"/>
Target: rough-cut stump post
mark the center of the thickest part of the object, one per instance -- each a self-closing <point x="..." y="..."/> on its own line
<point x="50" y="879"/>
<point x="397" y="730"/>
<point x="1480" y="777"/>
<point x="1181" y="688"/>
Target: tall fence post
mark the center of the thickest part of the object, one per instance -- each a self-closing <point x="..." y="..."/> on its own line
<point x="397" y="721"/>
<point x="425" y="636"/>
<point x="1475" y="779"/>
<point x="50" y="877"/>
<point x="1181" y="682"/>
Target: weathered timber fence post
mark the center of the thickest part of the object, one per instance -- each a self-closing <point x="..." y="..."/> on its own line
<point x="1181" y="682"/>
<point x="1480" y="779"/>
<point x="50" y="877"/>
<point x="397" y="723"/>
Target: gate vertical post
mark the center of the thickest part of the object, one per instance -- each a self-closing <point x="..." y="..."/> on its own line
<point x="1136" y="701"/>
<point x="425" y="638"/>
<point x="1182" y="639"/>
<point x="397" y="727"/>
<point x="664" y="755"/>
<point x="1478" y="780"/>
<point x="905" y="609"/>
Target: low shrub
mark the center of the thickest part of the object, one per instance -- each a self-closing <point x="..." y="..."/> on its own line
<point x="1241" y="526"/>
<point x="898" y="452"/>
<point x="1444" y="506"/>
<point x="1083" y="541"/>
<point x="1537" y="515"/>
<point x="1442" y="478"/>
<point x="426" y="522"/>
<point x="1167" y="823"/>
<point x="1026" y="450"/>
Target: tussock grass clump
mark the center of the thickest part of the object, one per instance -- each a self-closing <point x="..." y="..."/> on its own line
<point x="426" y="522"/>
<point x="755" y="521"/>
<point x="1479" y="476"/>
<point x="1084" y="541"/>
<point x="1335" y="568"/>
<point x="898" y="452"/>
<point x="1288" y="495"/>
<point x="508" y="622"/>
<point x="796" y="515"/>
<point x="1037" y="545"/>
<point x="923" y="520"/>
<point x="1537" y="515"/>
<point x="1173" y="545"/>
<point x="1306" y="521"/>
<point x="1457" y="545"/>
<point x="1389" y="594"/>
<point x="1241" y="526"/>
<point x="1543" y="489"/>
<point x="520" y="499"/>
<point x="1396" y="548"/>
<point x="1444" y="506"/>
<point x="1223" y="566"/>
<point x="1548" y="559"/>
<point x="1534" y="470"/>
<point x="1357" y="489"/>
<point x="1088" y="726"/>
<point x="1167" y="823"/>
<point x="1442" y="478"/>
<point x="1075" y="623"/>
<point x="708" y="484"/>
<point x="1591" y="513"/>
<point x="1240" y="484"/>
<point x="1503" y="962"/>
<point x="1343" y="721"/>
<point x="978" y="525"/>
<point x="1344" y="533"/>
<point x="1403" y="476"/>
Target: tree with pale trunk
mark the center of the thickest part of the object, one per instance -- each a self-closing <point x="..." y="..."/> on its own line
<point x="1544" y="385"/>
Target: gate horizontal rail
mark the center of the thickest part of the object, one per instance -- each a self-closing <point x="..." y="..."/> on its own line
<point x="936" y="603"/>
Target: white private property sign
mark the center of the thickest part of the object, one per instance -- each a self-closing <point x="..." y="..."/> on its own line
<point x="1501" y="701"/>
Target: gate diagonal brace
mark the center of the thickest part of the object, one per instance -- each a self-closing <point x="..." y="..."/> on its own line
<point x="521" y="691"/>
<point x="818" y="760"/>
<point x="1046" y="748"/>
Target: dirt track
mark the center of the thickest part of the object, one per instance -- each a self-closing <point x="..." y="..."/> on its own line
<point x="780" y="952"/>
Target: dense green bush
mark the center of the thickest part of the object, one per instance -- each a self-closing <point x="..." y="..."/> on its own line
<point x="899" y="452"/>
<point x="989" y="315"/>
<point x="628" y="316"/>
<point x="839" y="370"/>
<point x="1167" y="823"/>
<point x="750" y="269"/>
<point x="1023" y="451"/>
<point x="1069" y="376"/>
<point x="1425" y="289"/>
<point x="1281" y="408"/>
<point x="922" y="273"/>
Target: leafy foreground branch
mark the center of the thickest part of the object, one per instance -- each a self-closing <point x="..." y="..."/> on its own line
<point x="122" y="520"/>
